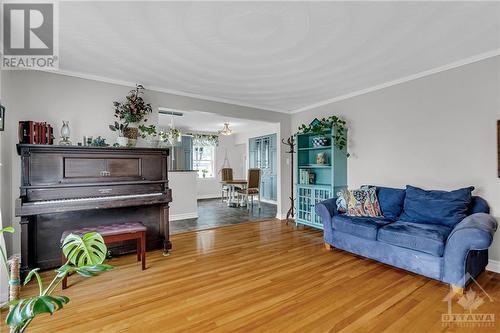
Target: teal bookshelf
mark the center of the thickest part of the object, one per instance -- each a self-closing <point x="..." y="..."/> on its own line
<point x="329" y="178"/>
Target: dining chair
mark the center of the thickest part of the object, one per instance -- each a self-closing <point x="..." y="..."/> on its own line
<point x="226" y="174"/>
<point x="253" y="187"/>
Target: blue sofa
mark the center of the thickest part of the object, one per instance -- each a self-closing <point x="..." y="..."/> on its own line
<point x="447" y="245"/>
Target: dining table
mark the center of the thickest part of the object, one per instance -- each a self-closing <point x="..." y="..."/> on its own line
<point x="233" y="185"/>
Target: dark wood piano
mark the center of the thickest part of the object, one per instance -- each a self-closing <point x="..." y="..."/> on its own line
<point x="68" y="187"/>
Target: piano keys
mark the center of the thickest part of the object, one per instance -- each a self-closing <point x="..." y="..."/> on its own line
<point x="69" y="187"/>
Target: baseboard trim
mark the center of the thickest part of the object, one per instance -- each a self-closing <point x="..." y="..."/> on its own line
<point x="493" y="266"/>
<point x="176" y="217"/>
<point x="272" y="202"/>
<point x="281" y="216"/>
<point x="208" y="196"/>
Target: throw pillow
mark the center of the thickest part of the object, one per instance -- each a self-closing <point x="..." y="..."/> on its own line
<point x="391" y="201"/>
<point x="436" y="207"/>
<point x="362" y="202"/>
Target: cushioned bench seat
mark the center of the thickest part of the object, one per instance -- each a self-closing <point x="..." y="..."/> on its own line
<point x="108" y="230"/>
<point x="114" y="233"/>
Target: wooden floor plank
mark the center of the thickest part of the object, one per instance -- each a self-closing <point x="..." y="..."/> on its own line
<point x="256" y="277"/>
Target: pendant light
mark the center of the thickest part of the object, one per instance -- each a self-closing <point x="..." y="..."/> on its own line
<point x="226" y="130"/>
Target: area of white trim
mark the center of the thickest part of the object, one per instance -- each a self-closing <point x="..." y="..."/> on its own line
<point x="281" y="216"/>
<point x="493" y="266"/>
<point x="208" y="196"/>
<point x="177" y="217"/>
<point x="160" y="89"/>
<point x="435" y="70"/>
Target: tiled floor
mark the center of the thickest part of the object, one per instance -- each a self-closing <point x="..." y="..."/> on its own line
<point x="214" y="213"/>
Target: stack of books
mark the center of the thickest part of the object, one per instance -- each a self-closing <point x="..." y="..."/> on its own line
<point x="36" y="133"/>
<point x="306" y="176"/>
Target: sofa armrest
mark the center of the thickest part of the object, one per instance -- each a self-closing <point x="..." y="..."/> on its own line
<point x="327" y="209"/>
<point x="475" y="232"/>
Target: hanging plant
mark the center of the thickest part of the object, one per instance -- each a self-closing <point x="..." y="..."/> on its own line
<point x="134" y="109"/>
<point x="205" y="139"/>
<point x="325" y="124"/>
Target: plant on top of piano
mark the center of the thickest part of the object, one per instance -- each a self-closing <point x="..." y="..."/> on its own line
<point x="134" y="109"/>
<point x="85" y="256"/>
<point x="120" y="128"/>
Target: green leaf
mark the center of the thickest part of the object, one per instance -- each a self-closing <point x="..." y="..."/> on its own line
<point x="30" y="275"/>
<point x="89" y="271"/>
<point x="64" y="269"/>
<point x="88" y="250"/>
<point x="7" y="229"/>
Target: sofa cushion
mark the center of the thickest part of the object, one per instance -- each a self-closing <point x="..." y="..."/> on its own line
<point x="436" y="207"/>
<point x="361" y="226"/>
<point x="391" y="201"/>
<point x="428" y="238"/>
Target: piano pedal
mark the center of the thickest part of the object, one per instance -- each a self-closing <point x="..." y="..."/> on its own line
<point x="166" y="253"/>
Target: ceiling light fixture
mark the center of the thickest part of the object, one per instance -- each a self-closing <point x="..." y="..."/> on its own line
<point x="226" y="130"/>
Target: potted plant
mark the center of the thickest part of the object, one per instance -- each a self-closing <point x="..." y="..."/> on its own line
<point x="132" y="111"/>
<point x="85" y="256"/>
<point x="319" y="127"/>
<point x="149" y="133"/>
<point x="204" y="172"/>
<point x="121" y="140"/>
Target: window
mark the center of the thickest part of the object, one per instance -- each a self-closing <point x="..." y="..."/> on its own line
<point x="204" y="161"/>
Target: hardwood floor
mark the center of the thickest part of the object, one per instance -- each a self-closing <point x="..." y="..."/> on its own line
<point x="257" y="277"/>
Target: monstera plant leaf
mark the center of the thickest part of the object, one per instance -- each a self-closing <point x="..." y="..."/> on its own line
<point x="88" y="250"/>
<point x="26" y="309"/>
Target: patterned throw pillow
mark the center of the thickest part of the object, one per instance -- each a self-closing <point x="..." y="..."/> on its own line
<point x="362" y="202"/>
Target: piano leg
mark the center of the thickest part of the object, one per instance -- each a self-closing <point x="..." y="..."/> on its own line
<point x="164" y="223"/>
<point x="25" y="246"/>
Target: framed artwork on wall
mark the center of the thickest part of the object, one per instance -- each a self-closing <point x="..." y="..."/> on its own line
<point x="2" y="117"/>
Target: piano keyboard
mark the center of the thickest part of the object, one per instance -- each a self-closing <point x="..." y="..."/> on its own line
<point x="113" y="197"/>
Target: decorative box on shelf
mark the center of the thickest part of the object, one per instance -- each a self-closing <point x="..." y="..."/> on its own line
<point x="317" y="155"/>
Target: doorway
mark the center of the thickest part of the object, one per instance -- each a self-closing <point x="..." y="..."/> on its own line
<point x="262" y="152"/>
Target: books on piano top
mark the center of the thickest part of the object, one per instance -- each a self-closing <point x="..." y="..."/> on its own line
<point x="35" y="133"/>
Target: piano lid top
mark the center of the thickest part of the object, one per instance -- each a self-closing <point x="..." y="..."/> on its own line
<point x="87" y="148"/>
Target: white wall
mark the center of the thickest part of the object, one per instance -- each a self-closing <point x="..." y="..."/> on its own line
<point x="184" y="204"/>
<point x="437" y="132"/>
<point x="87" y="104"/>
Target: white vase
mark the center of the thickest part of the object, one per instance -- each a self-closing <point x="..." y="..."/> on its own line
<point x="122" y="141"/>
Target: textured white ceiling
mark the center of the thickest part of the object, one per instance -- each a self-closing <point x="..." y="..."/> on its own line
<point x="276" y="55"/>
<point x="198" y="121"/>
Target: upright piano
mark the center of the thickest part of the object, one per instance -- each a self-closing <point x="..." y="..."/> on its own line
<point x="69" y="187"/>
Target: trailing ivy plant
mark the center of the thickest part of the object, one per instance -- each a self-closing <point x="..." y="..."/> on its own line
<point x="145" y="131"/>
<point x="85" y="256"/>
<point x="321" y="126"/>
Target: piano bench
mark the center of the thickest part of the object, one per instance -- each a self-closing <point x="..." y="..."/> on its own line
<point x="111" y="234"/>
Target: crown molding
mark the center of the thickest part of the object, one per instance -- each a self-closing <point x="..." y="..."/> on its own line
<point x="412" y="77"/>
<point x="459" y="63"/>
<point x="160" y="89"/>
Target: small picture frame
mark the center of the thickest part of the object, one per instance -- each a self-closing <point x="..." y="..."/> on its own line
<point x="2" y="117"/>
